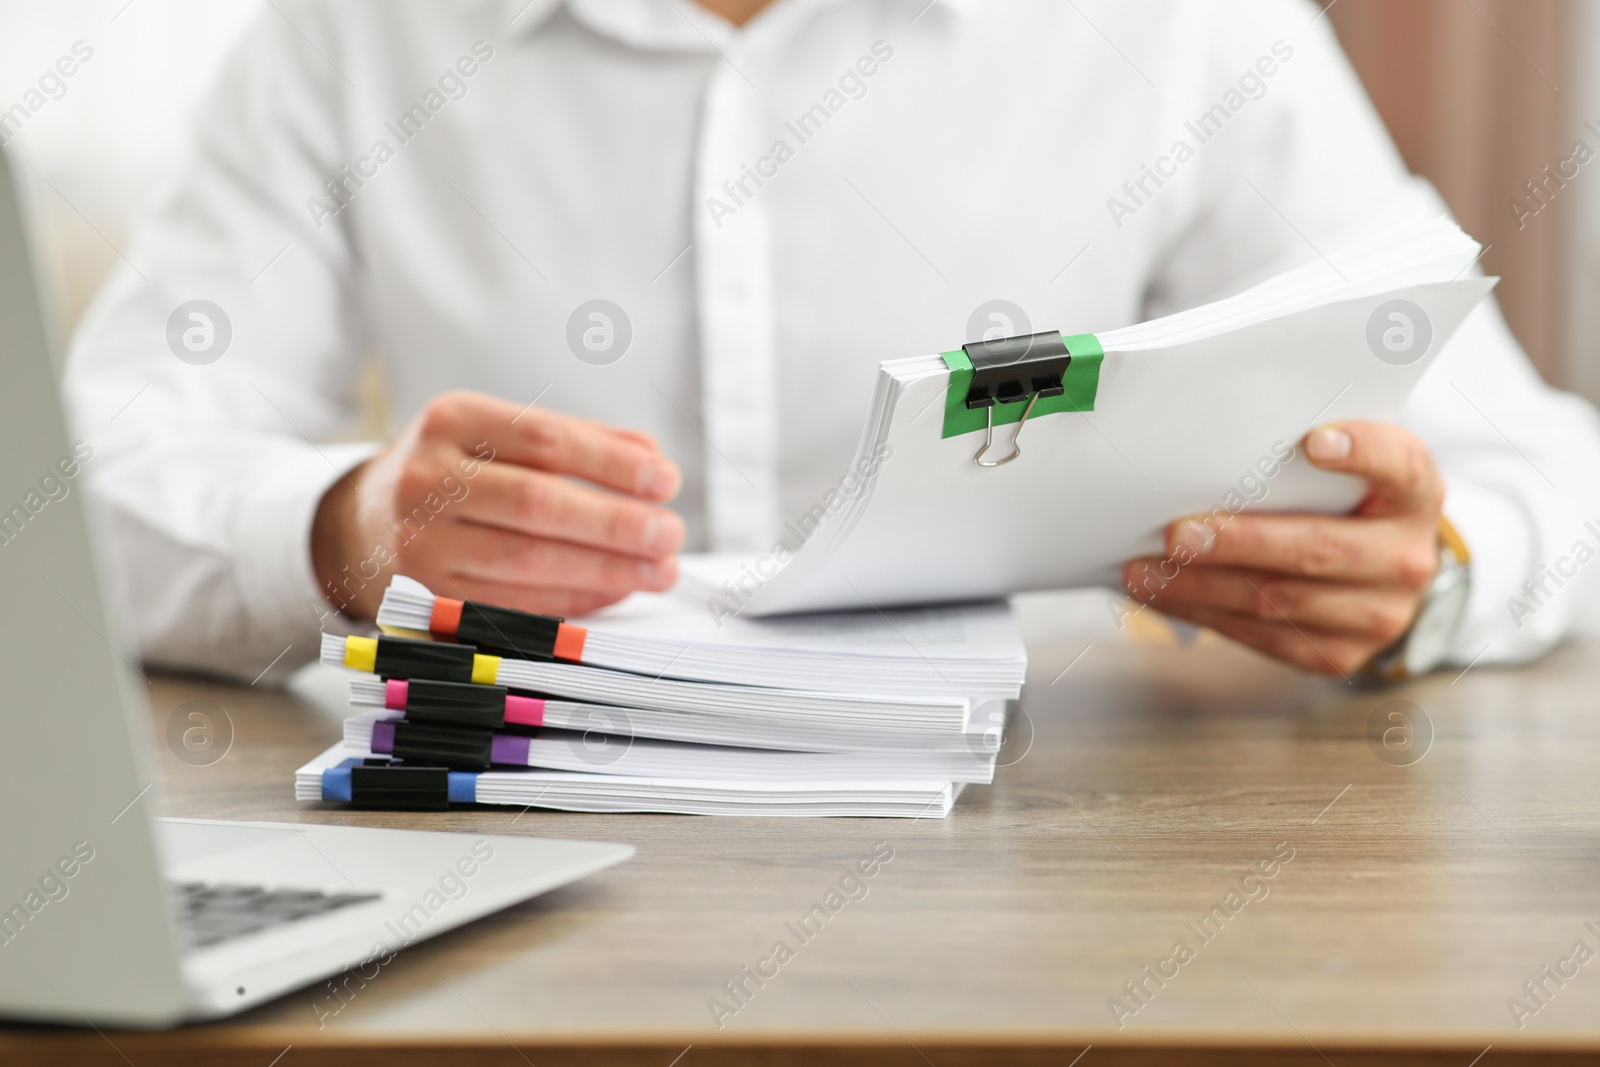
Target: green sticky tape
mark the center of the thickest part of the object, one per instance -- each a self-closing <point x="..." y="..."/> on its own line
<point x="1081" y="382"/>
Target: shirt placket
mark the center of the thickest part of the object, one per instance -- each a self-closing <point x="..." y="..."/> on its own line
<point x="737" y="311"/>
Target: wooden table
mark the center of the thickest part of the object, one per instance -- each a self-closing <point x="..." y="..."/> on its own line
<point x="1145" y="784"/>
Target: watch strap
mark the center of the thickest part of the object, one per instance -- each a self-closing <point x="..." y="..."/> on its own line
<point x="1450" y="538"/>
<point x="1389" y="665"/>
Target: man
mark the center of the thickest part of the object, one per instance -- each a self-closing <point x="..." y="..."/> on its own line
<point x="616" y="253"/>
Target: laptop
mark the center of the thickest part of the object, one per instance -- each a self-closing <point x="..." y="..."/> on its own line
<point x="109" y="915"/>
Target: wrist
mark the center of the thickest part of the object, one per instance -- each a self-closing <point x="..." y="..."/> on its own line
<point x="333" y="533"/>
<point x="1426" y="644"/>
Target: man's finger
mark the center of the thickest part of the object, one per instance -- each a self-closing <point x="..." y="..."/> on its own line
<point x="1332" y="548"/>
<point x="554" y="442"/>
<point x="548" y="440"/>
<point x="1330" y="654"/>
<point x="1380" y="614"/>
<point x="490" y="554"/>
<point x="534" y="503"/>
<point x="639" y="436"/>
<point x="1395" y="463"/>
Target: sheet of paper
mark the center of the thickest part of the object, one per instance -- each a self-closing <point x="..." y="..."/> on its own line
<point x="1198" y="428"/>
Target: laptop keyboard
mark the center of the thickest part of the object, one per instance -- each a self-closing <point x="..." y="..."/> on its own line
<point x="210" y="914"/>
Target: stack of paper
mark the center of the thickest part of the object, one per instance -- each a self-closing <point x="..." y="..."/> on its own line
<point x="1197" y="413"/>
<point x="642" y="708"/>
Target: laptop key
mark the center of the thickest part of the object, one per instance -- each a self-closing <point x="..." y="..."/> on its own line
<point x="211" y="914"/>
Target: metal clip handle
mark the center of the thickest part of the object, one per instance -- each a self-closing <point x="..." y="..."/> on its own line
<point x="988" y="435"/>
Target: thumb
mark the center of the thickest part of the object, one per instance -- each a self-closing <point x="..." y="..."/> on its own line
<point x="1396" y="464"/>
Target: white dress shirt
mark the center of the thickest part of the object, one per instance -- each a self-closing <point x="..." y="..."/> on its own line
<point x="775" y="210"/>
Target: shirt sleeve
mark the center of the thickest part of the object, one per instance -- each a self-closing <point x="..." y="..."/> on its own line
<point x="222" y="350"/>
<point x="1303" y="166"/>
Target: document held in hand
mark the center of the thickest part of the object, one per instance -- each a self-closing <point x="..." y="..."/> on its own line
<point x="1047" y="462"/>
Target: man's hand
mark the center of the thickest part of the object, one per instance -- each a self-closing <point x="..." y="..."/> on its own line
<point x="1325" y="593"/>
<point x="480" y="500"/>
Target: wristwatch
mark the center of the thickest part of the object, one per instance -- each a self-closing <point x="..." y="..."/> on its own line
<point x="1424" y="646"/>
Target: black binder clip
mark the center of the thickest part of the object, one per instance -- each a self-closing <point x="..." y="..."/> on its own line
<point x="1010" y="370"/>
<point x="407" y="657"/>
<point x="456" y="704"/>
<point x="408" y="788"/>
<point x="448" y="746"/>
<point x="508" y="632"/>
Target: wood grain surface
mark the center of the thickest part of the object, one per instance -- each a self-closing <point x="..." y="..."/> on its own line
<point x="1425" y="885"/>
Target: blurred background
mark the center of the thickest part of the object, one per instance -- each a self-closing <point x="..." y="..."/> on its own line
<point x="1481" y="95"/>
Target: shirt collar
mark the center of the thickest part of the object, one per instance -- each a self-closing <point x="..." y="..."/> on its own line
<point x="680" y="24"/>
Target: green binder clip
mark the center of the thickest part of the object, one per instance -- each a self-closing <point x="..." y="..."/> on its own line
<point x="1013" y="379"/>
